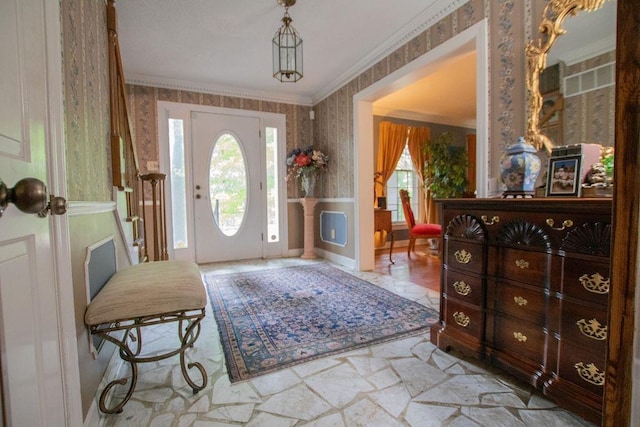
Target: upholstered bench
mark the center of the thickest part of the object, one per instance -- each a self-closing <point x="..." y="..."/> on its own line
<point x="144" y="295"/>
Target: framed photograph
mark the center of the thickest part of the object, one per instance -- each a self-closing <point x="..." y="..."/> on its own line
<point x="563" y="179"/>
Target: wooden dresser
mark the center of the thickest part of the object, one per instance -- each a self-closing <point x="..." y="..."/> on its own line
<point x="525" y="286"/>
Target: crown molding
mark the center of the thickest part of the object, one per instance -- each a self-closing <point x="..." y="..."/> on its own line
<point x="215" y="89"/>
<point x="590" y="51"/>
<point x="431" y="15"/>
<point x="423" y="117"/>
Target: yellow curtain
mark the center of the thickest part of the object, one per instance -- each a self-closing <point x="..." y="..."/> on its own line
<point x="418" y="136"/>
<point x="391" y="142"/>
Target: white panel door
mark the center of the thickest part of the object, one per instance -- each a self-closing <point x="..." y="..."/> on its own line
<point x="227" y="178"/>
<point x="30" y="352"/>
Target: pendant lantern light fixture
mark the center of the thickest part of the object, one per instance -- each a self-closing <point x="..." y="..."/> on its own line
<point x="287" y="48"/>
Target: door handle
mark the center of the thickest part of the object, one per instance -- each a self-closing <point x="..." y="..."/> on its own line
<point x="30" y="196"/>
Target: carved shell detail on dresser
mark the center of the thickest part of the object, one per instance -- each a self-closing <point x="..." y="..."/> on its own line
<point x="523" y="232"/>
<point x="466" y="227"/>
<point x="591" y="238"/>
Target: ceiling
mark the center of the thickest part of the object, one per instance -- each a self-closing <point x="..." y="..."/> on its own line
<point x="587" y="35"/>
<point x="224" y="46"/>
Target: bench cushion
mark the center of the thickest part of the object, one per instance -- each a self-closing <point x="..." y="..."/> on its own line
<point x="148" y="289"/>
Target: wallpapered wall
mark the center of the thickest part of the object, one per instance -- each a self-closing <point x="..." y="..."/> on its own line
<point x="510" y="25"/>
<point x="590" y="117"/>
<point x="143" y="114"/>
<point x="86" y="118"/>
<point x="333" y="127"/>
<point x="86" y="100"/>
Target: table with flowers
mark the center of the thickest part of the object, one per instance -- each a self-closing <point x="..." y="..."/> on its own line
<point x="305" y="164"/>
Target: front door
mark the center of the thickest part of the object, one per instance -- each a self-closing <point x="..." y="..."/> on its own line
<point x="30" y="347"/>
<point x="227" y="178"/>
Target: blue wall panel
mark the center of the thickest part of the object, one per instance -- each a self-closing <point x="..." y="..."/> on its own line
<point x="333" y="227"/>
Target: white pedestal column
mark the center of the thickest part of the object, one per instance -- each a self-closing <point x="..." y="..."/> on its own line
<point x="308" y="206"/>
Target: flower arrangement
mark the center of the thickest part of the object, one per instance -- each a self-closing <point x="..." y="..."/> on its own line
<point x="305" y="162"/>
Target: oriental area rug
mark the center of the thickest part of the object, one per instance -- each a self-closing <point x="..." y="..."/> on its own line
<point x="275" y="318"/>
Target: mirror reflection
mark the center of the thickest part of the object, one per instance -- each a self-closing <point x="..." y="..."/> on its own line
<point x="578" y="84"/>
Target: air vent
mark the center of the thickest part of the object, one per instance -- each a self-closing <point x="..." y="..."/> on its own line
<point x="589" y="80"/>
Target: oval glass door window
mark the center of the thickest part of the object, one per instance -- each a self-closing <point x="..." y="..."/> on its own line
<point x="228" y="184"/>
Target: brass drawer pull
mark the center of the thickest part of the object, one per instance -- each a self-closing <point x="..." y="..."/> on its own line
<point x="520" y="336"/>
<point x="463" y="257"/>
<point x="595" y="283"/>
<point x="462" y="288"/>
<point x="494" y="219"/>
<point x="461" y="319"/>
<point x="592" y="329"/>
<point x="522" y="264"/>
<point x="567" y="223"/>
<point x="590" y="373"/>
<point x="520" y="301"/>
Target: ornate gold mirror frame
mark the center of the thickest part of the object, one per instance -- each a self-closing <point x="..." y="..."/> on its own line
<point x="553" y="16"/>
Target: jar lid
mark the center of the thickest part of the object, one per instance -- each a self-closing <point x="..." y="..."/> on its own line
<point x="521" y="146"/>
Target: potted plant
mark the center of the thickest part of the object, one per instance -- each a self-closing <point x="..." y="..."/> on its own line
<point x="445" y="167"/>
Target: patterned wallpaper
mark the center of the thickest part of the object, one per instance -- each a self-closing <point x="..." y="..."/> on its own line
<point x="333" y="127"/>
<point x="143" y="115"/>
<point x="88" y="169"/>
<point x="589" y="117"/>
<point x="86" y="100"/>
<point x="86" y="95"/>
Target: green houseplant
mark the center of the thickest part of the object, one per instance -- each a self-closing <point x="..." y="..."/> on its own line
<point x="445" y="167"/>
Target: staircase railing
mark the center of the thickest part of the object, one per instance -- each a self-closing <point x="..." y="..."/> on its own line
<point x="124" y="159"/>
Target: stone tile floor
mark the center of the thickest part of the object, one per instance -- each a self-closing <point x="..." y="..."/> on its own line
<point x="408" y="382"/>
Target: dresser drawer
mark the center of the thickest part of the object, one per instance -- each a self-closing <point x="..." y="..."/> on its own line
<point x="584" y="326"/>
<point x="581" y="367"/>
<point x="586" y="279"/>
<point x="514" y="336"/>
<point x="465" y="255"/>
<point x="524" y="303"/>
<point x="521" y="265"/>
<point x="463" y="287"/>
<point x="464" y="319"/>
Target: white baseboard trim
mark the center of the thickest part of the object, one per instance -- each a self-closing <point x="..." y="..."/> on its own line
<point x="338" y="259"/>
<point x="293" y="253"/>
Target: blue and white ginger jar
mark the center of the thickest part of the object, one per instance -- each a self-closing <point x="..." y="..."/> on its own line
<point x="519" y="168"/>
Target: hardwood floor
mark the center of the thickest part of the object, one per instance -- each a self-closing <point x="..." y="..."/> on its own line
<point x="422" y="268"/>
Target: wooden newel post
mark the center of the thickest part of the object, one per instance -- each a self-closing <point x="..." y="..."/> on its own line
<point x="308" y="206"/>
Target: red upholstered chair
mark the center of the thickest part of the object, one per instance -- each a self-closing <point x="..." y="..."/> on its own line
<point x="417" y="231"/>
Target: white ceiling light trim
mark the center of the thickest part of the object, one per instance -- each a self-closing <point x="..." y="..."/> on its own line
<point x="166" y="83"/>
<point x="431" y="15"/>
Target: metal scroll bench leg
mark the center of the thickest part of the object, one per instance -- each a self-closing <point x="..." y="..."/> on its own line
<point x="189" y="321"/>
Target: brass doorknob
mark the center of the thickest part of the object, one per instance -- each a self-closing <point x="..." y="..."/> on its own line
<point x="30" y="196"/>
